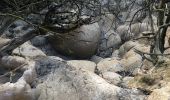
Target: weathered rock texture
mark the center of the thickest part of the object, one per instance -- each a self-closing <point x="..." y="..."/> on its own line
<point x="82" y="42"/>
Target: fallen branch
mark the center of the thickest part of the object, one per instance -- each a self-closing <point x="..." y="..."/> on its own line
<point x="14" y="43"/>
<point x="11" y="73"/>
<point x="143" y="37"/>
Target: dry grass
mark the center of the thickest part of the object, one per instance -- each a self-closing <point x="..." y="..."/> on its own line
<point x="155" y="80"/>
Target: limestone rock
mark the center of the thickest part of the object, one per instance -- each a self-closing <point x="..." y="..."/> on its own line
<point x="82" y="64"/>
<point x="69" y="83"/>
<point x="112" y="77"/>
<point x="109" y="65"/>
<point x="27" y="50"/>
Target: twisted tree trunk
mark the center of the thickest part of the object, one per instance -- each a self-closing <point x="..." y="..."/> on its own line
<point x="160" y="35"/>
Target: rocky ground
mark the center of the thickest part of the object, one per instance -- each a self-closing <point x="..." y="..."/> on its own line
<point x="97" y="66"/>
<point x="35" y="71"/>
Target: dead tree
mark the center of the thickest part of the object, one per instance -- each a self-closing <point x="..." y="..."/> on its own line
<point x="162" y="9"/>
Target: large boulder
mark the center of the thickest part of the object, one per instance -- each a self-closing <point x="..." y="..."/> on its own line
<point x="81" y="42"/>
<point x="64" y="82"/>
<point x="60" y="81"/>
<point x="49" y="78"/>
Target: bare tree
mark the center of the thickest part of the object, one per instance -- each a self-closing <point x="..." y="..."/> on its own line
<point x="161" y="8"/>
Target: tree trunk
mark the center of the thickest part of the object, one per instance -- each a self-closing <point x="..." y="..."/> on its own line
<point x="14" y="43"/>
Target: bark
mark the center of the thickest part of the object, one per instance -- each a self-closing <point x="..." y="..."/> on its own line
<point x="159" y="39"/>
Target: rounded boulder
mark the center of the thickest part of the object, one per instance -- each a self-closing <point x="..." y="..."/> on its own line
<point x="81" y="42"/>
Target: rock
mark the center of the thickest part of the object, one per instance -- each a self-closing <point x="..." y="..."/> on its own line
<point x="143" y="47"/>
<point x="131" y="62"/>
<point x="20" y="89"/>
<point x="39" y="41"/>
<point x="126" y="80"/>
<point x="112" y="77"/>
<point x="160" y="94"/>
<point x="83" y="64"/>
<point x="25" y="67"/>
<point x="109" y="65"/>
<point x="115" y="54"/>
<point x="65" y="82"/>
<point x="17" y="91"/>
<point x="48" y="50"/>
<point x="81" y="42"/>
<point x="4" y="80"/>
<point x="105" y="53"/>
<point x="3" y="42"/>
<point x="29" y="74"/>
<point x="96" y="59"/>
<point x="111" y="40"/>
<point x="47" y="63"/>
<point x="27" y="50"/>
<point x="136" y="29"/>
<point x="126" y="47"/>
<point x="12" y="61"/>
<point x="130" y="47"/>
<point x="35" y="18"/>
<point x="131" y="94"/>
<point x="16" y="29"/>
